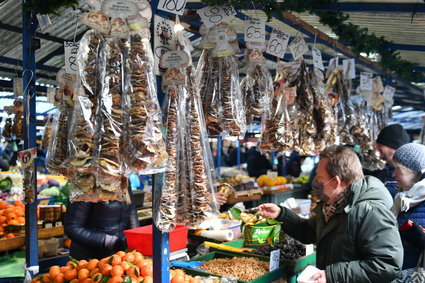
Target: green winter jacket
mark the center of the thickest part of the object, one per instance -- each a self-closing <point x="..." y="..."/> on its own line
<point x="361" y="245"/>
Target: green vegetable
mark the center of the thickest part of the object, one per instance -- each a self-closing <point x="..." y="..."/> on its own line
<point x="52" y="191"/>
<point x="235" y="213"/>
<point x="6" y="184"/>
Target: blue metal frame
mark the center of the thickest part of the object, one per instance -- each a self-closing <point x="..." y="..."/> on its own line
<point x="12" y="61"/>
<point x="238" y="153"/>
<point x="161" y="244"/>
<point x="30" y="23"/>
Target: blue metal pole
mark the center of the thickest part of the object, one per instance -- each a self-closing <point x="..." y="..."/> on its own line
<point x="238" y="153"/>
<point x="161" y="245"/>
<point x="218" y="155"/>
<point x="273" y="156"/>
<point x="29" y="26"/>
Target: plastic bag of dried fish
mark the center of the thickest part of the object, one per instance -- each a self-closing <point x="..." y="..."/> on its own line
<point x="257" y="86"/>
<point x="144" y="143"/>
<point x="83" y="125"/>
<point x="47" y="135"/>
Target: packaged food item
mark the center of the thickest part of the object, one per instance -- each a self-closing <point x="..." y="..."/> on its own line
<point x="145" y="147"/>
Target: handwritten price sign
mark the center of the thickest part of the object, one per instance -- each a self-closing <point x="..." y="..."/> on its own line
<point x="366" y="82"/>
<point x="278" y="43"/>
<point x="255" y="30"/>
<point x="317" y="59"/>
<point x="216" y="14"/>
<point x="298" y="47"/>
<point x="172" y="6"/>
<point x="274" y="260"/>
<point x="71" y="51"/>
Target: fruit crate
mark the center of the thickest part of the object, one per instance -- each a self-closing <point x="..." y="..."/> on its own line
<point x="275" y="275"/>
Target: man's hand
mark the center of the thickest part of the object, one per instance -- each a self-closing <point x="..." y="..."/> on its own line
<point x="319" y="277"/>
<point x="269" y="210"/>
<point x="221" y="198"/>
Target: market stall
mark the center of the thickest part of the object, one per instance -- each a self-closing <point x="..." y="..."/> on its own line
<point x="143" y="100"/>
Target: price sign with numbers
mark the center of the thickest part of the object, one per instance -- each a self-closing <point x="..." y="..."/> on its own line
<point x="366" y="82"/>
<point x="277" y="43"/>
<point x="172" y="6"/>
<point x="71" y="51"/>
<point x="274" y="259"/>
<point x="317" y="59"/>
<point x="255" y="30"/>
<point x="212" y="15"/>
<point x="298" y="47"/>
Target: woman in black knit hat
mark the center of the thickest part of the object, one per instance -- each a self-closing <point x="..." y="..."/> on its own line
<point x="409" y="203"/>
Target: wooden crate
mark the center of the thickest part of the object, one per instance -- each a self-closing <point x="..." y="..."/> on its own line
<point x="12" y="243"/>
<point x="242" y="196"/>
<point x="46" y="233"/>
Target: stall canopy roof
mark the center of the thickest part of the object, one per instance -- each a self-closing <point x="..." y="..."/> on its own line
<point x="401" y="22"/>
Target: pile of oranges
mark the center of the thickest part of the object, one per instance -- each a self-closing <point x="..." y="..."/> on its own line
<point x="264" y="180"/>
<point x="123" y="267"/>
<point x="11" y="215"/>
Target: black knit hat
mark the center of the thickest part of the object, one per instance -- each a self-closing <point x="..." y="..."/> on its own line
<point x="393" y="136"/>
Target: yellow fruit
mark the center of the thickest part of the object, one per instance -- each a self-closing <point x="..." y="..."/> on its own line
<point x="261" y="180"/>
<point x="270" y="182"/>
<point x="281" y="180"/>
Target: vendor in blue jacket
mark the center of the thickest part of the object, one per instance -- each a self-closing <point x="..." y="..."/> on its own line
<point x="389" y="140"/>
<point x="354" y="230"/>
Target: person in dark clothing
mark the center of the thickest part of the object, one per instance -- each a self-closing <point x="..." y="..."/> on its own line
<point x="257" y="163"/>
<point x="409" y="204"/>
<point x="354" y="230"/>
<point x="96" y="229"/>
<point x="389" y="140"/>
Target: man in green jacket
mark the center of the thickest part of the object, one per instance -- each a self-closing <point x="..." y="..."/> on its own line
<point x="355" y="233"/>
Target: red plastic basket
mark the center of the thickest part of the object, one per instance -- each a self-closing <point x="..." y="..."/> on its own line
<point x="140" y="239"/>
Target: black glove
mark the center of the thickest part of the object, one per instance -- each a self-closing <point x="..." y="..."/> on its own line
<point x="121" y="243"/>
<point x="414" y="235"/>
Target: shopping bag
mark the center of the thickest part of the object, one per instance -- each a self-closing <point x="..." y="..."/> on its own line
<point x="415" y="274"/>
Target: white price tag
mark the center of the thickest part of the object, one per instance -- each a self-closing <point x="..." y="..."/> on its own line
<point x="389" y="92"/>
<point x="163" y="40"/>
<point x="349" y="68"/>
<point x="212" y="15"/>
<point x="120" y="9"/>
<point x="174" y="59"/>
<point x="298" y="47"/>
<point x="255" y="30"/>
<point x="71" y="51"/>
<point x="271" y="174"/>
<point x="366" y="81"/>
<point x="172" y="6"/>
<point x="317" y="59"/>
<point x="277" y="43"/>
<point x="274" y="260"/>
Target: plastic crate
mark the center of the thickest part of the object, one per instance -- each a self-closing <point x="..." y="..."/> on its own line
<point x="140" y="239"/>
<point x="266" y="278"/>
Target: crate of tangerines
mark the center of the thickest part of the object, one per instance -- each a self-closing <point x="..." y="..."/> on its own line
<point x="130" y="267"/>
<point x="12" y="219"/>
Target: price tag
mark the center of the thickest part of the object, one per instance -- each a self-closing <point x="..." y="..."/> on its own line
<point x="298" y="47"/>
<point x="163" y="40"/>
<point x="366" y="81"/>
<point x="120" y="8"/>
<point x="271" y="174"/>
<point x="71" y="51"/>
<point x="317" y="59"/>
<point x="212" y="15"/>
<point x="377" y="84"/>
<point x="274" y="259"/>
<point x="349" y="68"/>
<point x="389" y="92"/>
<point x="174" y="59"/>
<point x="18" y="86"/>
<point x="172" y="6"/>
<point x="277" y="43"/>
<point x="255" y="30"/>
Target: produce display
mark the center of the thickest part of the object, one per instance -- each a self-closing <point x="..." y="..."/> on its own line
<point x="12" y="218"/>
<point x="264" y="180"/>
<point x="242" y="268"/>
<point x="289" y="248"/>
<point x="120" y="267"/>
